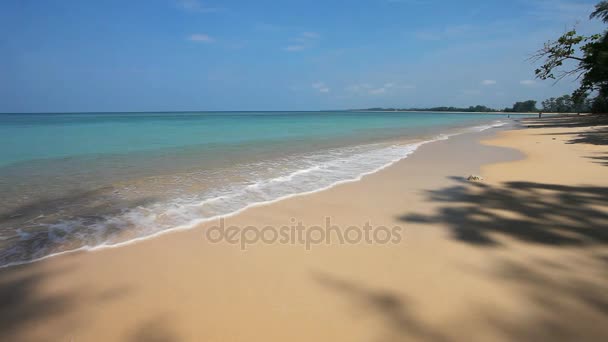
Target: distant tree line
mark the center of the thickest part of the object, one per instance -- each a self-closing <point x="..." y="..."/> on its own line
<point x="471" y="109"/>
<point x="522" y="107"/>
<point x="567" y="104"/>
<point x="562" y="104"/>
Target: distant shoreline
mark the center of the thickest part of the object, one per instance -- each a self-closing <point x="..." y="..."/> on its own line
<point x="446" y="112"/>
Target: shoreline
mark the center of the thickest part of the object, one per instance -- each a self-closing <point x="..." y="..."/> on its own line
<point x="414" y="145"/>
<point x="449" y="112"/>
<point x="470" y="251"/>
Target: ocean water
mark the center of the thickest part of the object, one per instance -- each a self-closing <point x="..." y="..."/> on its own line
<point x="93" y="180"/>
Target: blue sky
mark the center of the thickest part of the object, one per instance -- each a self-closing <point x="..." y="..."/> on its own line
<point x="163" y="55"/>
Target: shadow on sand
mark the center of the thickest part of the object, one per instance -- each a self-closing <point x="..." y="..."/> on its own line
<point x="156" y="329"/>
<point x="547" y="214"/>
<point x="597" y="134"/>
<point x="563" y="308"/>
<point x="565" y="121"/>
<point x="24" y="305"/>
<point x="391" y="308"/>
<point x="562" y="299"/>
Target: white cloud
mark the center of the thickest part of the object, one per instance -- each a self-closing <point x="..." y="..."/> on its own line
<point x="408" y="2"/>
<point x="294" y="48"/>
<point x="488" y="82"/>
<point x="527" y="82"/>
<point x="366" y="88"/>
<point x="377" y="91"/>
<point x="196" y="6"/>
<point x="369" y="89"/>
<point x="427" y="35"/>
<point x="321" y="87"/>
<point x="448" y="32"/>
<point x="471" y="92"/>
<point x="310" y="35"/>
<point x="358" y="87"/>
<point x="303" y="41"/>
<point x="201" y="38"/>
<point x="268" y="27"/>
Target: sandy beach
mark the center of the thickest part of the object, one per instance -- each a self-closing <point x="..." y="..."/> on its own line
<point x="521" y="255"/>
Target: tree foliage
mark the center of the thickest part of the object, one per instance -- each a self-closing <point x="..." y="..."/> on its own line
<point x="566" y="104"/>
<point x="601" y="11"/>
<point x="584" y="57"/>
<point x="523" y="107"/>
<point x="470" y="109"/>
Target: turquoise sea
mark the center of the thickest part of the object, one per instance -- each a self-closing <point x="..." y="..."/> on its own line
<point x="88" y="180"/>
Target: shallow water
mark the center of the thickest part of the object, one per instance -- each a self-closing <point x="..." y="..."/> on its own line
<point x="70" y="181"/>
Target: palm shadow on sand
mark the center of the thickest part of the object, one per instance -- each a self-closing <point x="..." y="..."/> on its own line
<point x="23" y="304"/>
<point x="547" y="214"/>
<point x="597" y="133"/>
<point x="391" y="308"/>
<point x="567" y="301"/>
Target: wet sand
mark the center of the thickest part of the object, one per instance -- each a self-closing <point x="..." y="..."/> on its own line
<point x="521" y="255"/>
